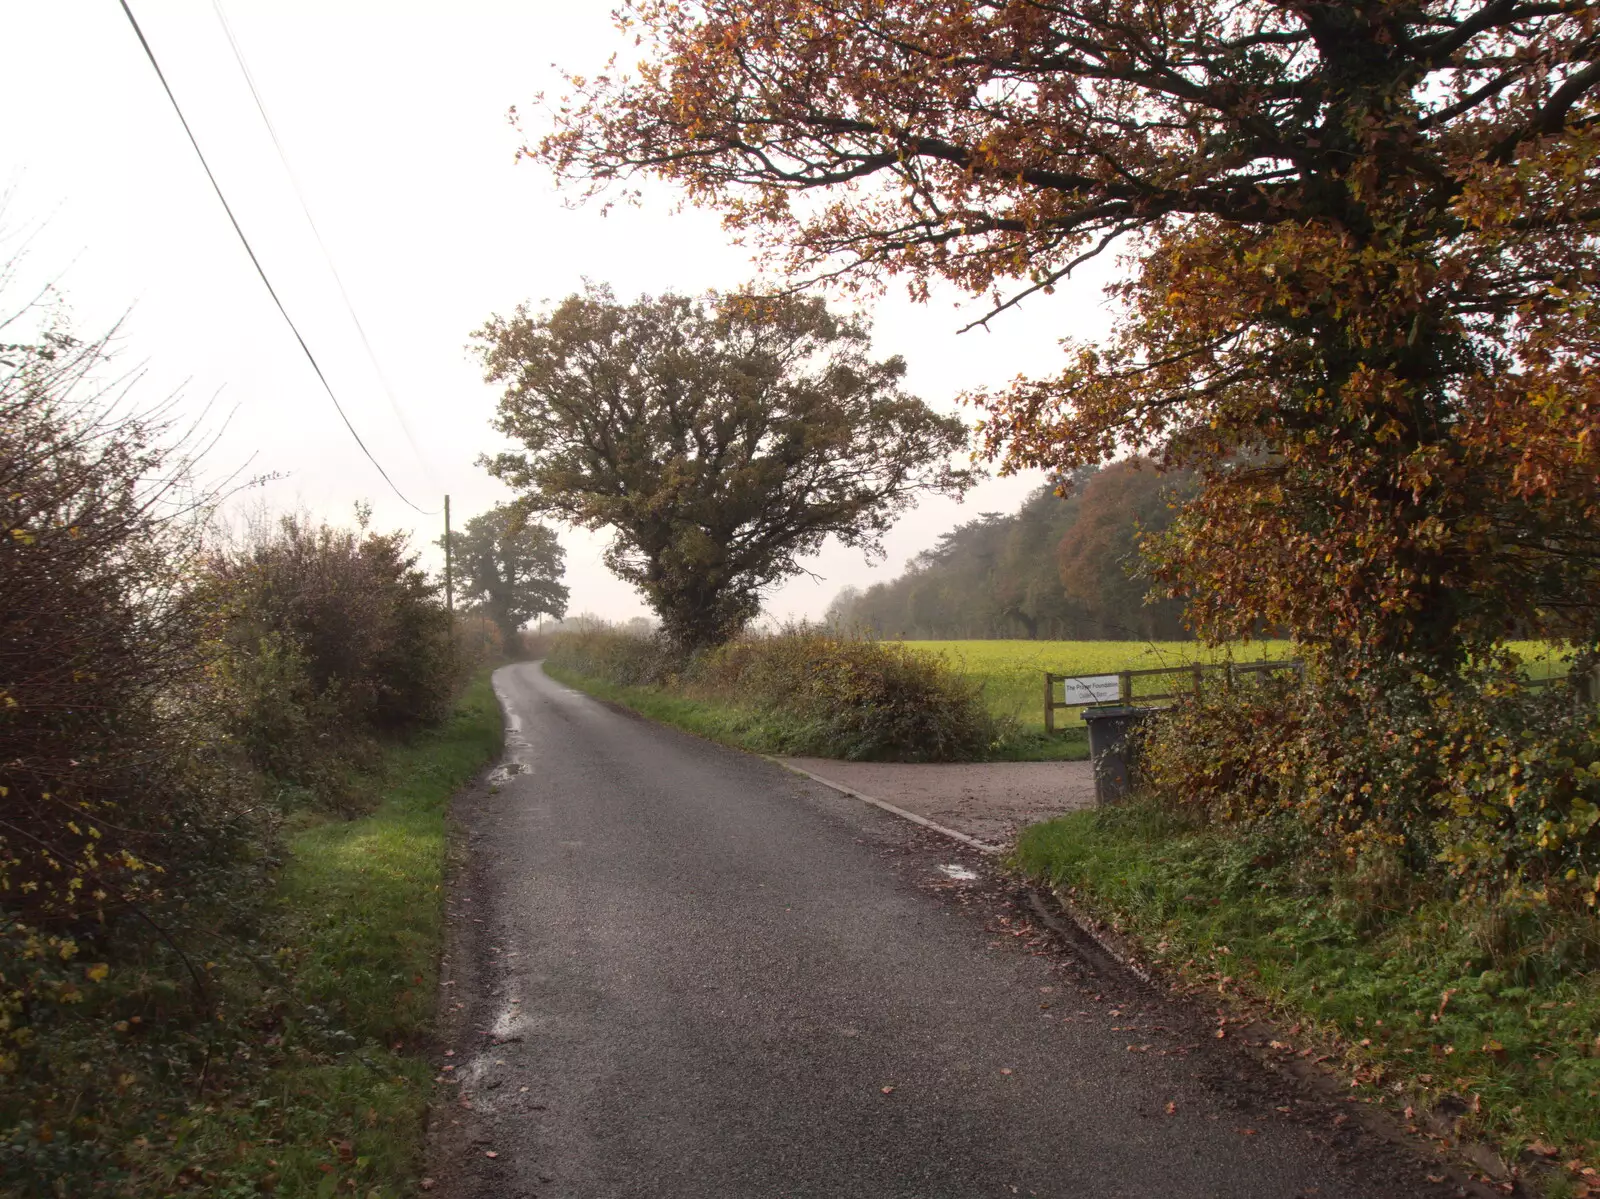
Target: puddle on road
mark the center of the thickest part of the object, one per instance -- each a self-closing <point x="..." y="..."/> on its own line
<point x="960" y="873"/>
<point x="517" y="744"/>
<point x="505" y="772"/>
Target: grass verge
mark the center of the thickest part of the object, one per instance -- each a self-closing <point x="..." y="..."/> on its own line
<point x="341" y="999"/>
<point x="1439" y="1007"/>
<point x="774" y="732"/>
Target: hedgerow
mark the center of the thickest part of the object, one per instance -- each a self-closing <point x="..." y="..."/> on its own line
<point x="166" y="707"/>
<point x="816" y="692"/>
<point x="123" y="808"/>
<point x="1481" y="782"/>
<point x="331" y="637"/>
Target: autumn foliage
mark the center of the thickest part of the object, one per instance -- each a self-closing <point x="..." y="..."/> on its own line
<point x="1358" y="305"/>
<point x="167" y="703"/>
<point x="1363" y="251"/>
<point x="111" y="789"/>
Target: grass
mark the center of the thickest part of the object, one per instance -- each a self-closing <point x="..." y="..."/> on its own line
<point x="1012" y="676"/>
<point x="1427" y="1002"/>
<point x="728" y="724"/>
<point x="775" y="732"/>
<point x="1012" y="672"/>
<point x="346" y="998"/>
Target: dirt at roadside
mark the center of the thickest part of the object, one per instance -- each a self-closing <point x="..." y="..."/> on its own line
<point x="991" y="801"/>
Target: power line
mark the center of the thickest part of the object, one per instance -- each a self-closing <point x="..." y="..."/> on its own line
<point x="256" y="262"/>
<point x="305" y="207"/>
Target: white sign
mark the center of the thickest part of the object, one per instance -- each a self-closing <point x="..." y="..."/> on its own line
<point x="1092" y="689"/>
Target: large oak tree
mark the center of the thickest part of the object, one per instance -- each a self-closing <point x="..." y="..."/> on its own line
<point x="721" y="439"/>
<point x="1363" y="240"/>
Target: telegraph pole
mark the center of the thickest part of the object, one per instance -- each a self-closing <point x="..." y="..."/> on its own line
<point x="449" y="584"/>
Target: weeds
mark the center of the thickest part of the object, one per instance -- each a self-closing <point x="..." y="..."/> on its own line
<point x="289" y="1057"/>
<point x="334" y="1010"/>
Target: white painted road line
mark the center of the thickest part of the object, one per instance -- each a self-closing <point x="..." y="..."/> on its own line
<point x="982" y="846"/>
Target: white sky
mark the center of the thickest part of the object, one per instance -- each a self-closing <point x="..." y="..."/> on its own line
<point x="393" y="116"/>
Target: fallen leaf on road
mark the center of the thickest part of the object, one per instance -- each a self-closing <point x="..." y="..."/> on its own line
<point x="1172" y="1109"/>
<point x="1221" y="1032"/>
<point x="490" y="1153"/>
<point x="887" y="1090"/>
<point x="1245" y="1132"/>
<point x="426" y="1184"/>
<point x="1005" y="1069"/>
<point x="1542" y="1150"/>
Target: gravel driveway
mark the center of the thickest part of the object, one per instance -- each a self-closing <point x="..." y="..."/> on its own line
<point x="991" y="801"/>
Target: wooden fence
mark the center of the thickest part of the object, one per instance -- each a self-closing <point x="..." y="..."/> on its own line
<point x="1126" y="686"/>
<point x="1089" y="691"/>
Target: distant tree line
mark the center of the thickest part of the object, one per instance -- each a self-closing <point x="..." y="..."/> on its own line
<point x="1059" y="568"/>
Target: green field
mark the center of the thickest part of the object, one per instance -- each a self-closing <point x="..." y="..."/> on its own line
<point x="1012" y="672"/>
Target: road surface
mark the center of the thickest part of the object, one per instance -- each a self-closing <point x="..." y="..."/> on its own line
<point x="678" y="970"/>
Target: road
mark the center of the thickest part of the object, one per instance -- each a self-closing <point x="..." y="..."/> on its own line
<point x="682" y="971"/>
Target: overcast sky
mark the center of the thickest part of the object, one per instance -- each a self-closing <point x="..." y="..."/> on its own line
<point x="393" y="118"/>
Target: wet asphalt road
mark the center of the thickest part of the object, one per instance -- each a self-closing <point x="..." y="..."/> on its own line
<point x="682" y="971"/>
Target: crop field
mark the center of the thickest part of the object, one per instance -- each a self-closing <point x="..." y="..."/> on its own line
<point x="1012" y="672"/>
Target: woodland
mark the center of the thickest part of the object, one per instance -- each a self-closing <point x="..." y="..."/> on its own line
<point x="1062" y="567"/>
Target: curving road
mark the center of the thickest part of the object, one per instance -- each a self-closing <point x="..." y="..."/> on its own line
<point x="681" y="971"/>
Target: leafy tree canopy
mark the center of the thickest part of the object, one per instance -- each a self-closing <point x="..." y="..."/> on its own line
<point x="720" y="438"/>
<point x="1364" y="239"/>
<point x="510" y="567"/>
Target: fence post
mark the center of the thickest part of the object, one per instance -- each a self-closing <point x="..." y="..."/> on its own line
<point x="1049" y="702"/>
<point x="1125" y="686"/>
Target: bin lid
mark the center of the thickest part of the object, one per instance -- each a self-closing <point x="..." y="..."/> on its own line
<point x="1114" y="711"/>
